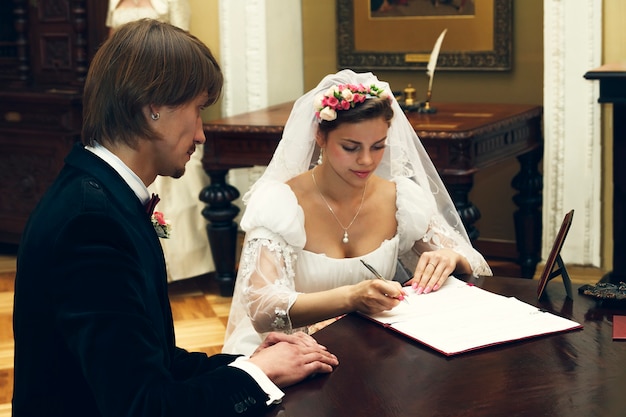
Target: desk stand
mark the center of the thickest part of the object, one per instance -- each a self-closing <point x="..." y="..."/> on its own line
<point x="561" y="270"/>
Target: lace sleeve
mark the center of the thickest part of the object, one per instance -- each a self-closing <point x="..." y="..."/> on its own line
<point x="423" y="228"/>
<point x="267" y="280"/>
<point x="439" y="235"/>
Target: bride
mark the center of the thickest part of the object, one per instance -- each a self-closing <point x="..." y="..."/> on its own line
<point x="373" y="195"/>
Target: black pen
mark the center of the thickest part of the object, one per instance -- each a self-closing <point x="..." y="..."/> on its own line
<point x="377" y="275"/>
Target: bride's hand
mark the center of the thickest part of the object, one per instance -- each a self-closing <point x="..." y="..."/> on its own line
<point x="375" y="295"/>
<point x="434" y="268"/>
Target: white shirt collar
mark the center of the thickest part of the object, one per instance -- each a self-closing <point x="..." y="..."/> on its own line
<point x="133" y="181"/>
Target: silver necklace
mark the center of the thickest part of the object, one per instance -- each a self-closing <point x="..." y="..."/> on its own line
<point x="345" y="229"/>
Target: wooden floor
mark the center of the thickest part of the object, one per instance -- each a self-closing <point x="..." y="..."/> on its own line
<point x="200" y="314"/>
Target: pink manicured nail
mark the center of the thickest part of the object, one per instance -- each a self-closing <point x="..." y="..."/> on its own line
<point x="436" y="287"/>
<point x="414" y="285"/>
<point x="420" y="290"/>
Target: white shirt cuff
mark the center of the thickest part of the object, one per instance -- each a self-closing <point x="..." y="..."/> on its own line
<point x="275" y="394"/>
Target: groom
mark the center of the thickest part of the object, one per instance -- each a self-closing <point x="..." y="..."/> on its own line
<point x="93" y="326"/>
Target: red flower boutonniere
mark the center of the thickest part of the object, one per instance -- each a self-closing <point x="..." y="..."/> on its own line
<point x="162" y="227"/>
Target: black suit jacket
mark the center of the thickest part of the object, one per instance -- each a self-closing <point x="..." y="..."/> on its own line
<point x="93" y="327"/>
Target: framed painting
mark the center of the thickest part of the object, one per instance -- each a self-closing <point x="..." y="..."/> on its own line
<point x="400" y="34"/>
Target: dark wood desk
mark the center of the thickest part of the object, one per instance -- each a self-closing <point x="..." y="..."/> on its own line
<point x="460" y="139"/>
<point x="380" y="373"/>
<point x="612" y="79"/>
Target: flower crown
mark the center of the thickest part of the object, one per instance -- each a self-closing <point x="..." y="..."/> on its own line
<point x="344" y="97"/>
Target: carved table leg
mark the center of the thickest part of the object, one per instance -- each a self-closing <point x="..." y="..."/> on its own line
<point x="222" y="229"/>
<point x="528" y="222"/>
<point x="459" y="187"/>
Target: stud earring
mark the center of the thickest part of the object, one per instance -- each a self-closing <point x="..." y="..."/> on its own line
<point x="320" y="158"/>
<point x="155" y="116"/>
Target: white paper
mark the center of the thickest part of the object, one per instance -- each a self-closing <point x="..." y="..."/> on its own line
<point x="461" y="317"/>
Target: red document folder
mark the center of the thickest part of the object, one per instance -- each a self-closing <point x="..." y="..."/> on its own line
<point x="619" y="327"/>
<point x="460" y="317"/>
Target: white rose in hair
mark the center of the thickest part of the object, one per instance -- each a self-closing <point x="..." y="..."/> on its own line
<point x="328" y="114"/>
<point x="331" y="91"/>
<point x="347" y="94"/>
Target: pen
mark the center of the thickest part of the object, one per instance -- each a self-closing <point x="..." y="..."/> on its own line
<point x="377" y="275"/>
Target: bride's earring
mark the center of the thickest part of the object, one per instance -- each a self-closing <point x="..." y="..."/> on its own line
<point x="319" y="158"/>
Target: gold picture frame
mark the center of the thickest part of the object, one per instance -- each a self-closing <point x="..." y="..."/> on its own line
<point x="479" y="40"/>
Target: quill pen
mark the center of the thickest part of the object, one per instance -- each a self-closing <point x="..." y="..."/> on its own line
<point x="432" y="62"/>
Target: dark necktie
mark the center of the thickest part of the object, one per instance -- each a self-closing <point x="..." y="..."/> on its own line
<point x="154" y="200"/>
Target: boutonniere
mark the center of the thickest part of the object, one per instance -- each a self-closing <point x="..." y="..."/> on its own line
<point x="162" y="227"/>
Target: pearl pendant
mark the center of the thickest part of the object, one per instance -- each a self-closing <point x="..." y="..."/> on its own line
<point x="345" y="237"/>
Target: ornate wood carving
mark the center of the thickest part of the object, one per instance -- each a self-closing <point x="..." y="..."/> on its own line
<point x="80" y="28"/>
<point x="21" y="41"/>
<point x="40" y="101"/>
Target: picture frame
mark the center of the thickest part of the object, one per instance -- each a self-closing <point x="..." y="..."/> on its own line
<point x="480" y="40"/>
<point x="555" y="266"/>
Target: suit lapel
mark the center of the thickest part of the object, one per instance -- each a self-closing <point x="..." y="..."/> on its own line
<point x="120" y="195"/>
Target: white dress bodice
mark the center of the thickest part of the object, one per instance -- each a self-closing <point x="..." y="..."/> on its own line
<point x="318" y="272"/>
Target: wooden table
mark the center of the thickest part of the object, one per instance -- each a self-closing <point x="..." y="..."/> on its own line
<point x="380" y="373"/>
<point x="460" y="138"/>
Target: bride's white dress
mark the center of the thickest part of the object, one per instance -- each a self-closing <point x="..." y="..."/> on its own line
<point x="274" y="223"/>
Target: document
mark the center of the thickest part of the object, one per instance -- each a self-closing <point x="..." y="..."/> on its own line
<point x="461" y="317"/>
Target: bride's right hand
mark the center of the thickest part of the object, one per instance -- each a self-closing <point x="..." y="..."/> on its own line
<point x="375" y="295"/>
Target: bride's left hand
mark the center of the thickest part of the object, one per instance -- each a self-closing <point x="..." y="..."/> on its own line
<point x="433" y="268"/>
